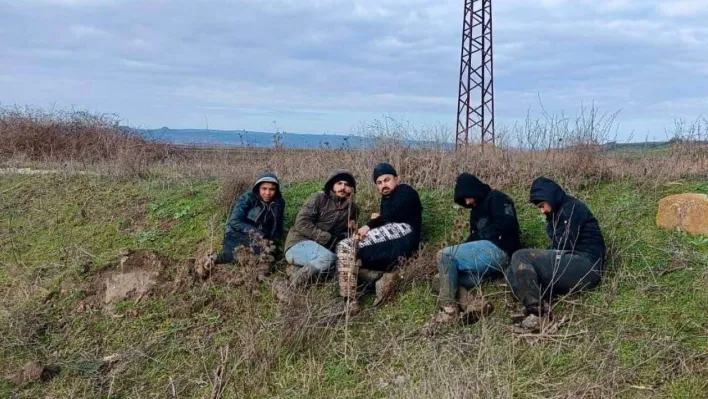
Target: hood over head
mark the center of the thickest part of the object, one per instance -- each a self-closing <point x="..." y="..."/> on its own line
<point x="545" y="189"/>
<point x="267" y="177"/>
<point x="469" y="186"/>
<point x="339" y="176"/>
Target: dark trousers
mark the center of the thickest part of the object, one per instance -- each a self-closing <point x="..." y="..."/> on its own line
<point x="537" y="274"/>
<point x="228" y="253"/>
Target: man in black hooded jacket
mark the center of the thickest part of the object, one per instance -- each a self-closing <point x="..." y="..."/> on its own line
<point x="572" y="263"/>
<point x="494" y="236"/>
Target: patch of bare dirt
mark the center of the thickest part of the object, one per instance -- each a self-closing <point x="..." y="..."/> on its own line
<point x="137" y="273"/>
<point x="31" y="372"/>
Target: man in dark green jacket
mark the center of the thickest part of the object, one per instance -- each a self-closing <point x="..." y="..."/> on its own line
<point x="323" y="221"/>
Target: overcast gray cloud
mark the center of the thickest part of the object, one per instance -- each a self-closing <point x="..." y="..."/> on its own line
<point x="325" y="65"/>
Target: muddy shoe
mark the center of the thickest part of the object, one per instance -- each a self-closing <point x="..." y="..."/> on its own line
<point x="476" y="310"/>
<point x="386" y="287"/>
<point x="447" y="315"/>
<point x="531" y="323"/>
<point x="203" y="261"/>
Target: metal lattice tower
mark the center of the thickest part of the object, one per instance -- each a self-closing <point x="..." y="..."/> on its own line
<point x="475" y="105"/>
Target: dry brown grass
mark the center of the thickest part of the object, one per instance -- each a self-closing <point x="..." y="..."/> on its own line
<point x="569" y="151"/>
<point x="76" y="137"/>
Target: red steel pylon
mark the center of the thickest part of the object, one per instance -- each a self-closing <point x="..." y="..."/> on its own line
<point x="475" y="105"/>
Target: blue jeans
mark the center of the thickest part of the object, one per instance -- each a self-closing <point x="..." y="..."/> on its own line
<point x="312" y="255"/>
<point x="468" y="265"/>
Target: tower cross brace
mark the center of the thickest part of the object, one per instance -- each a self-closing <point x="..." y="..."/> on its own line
<point x="475" y="105"/>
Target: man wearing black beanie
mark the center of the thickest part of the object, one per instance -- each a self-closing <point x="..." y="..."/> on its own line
<point x="325" y="219"/>
<point x="392" y="233"/>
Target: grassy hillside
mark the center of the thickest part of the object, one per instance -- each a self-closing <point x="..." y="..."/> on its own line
<point x="643" y="333"/>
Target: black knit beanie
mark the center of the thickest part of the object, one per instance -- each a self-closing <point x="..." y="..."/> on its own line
<point x="384" y="169"/>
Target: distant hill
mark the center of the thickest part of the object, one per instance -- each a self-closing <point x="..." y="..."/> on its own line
<point x="245" y="138"/>
<point x="261" y="139"/>
<point x="256" y="139"/>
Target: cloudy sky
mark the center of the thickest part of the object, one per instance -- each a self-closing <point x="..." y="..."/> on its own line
<point x="329" y="65"/>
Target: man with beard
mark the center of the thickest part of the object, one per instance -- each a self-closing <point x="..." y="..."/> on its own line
<point x="323" y="221"/>
<point x="573" y="262"/>
<point x="389" y="235"/>
<point x="494" y="236"/>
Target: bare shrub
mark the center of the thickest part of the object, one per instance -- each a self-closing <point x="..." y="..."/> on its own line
<point x="76" y="136"/>
<point x="230" y="188"/>
<point x="573" y="151"/>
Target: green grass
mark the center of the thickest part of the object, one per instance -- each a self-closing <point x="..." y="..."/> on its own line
<point x="642" y="333"/>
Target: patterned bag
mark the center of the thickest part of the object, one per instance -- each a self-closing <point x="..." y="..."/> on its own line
<point x="347" y="267"/>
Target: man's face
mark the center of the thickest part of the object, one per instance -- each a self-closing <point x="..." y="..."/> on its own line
<point x="342" y="189"/>
<point x="267" y="191"/>
<point x="544" y="207"/>
<point x="387" y="183"/>
<point x="470" y="202"/>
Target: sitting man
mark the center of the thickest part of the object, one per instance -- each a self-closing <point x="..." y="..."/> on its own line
<point x="392" y="233"/>
<point x="323" y="221"/>
<point x="256" y="221"/>
<point x="575" y="258"/>
<point x="494" y="236"/>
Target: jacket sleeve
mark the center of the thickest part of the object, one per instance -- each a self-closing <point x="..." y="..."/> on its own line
<point x="503" y="223"/>
<point x="238" y="221"/>
<point x="279" y="221"/>
<point x="566" y="230"/>
<point x="306" y="220"/>
<point x="390" y="214"/>
<point x="378" y="222"/>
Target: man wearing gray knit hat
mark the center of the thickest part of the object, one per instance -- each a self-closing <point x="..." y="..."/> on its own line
<point x="390" y="234"/>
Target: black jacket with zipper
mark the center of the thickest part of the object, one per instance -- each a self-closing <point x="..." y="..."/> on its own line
<point x="570" y="226"/>
<point x="493" y="218"/>
<point x="252" y="214"/>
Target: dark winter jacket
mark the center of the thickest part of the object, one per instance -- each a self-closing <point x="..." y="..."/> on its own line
<point x="493" y="218"/>
<point x="324" y="218"/>
<point x="570" y="226"/>
<point x="252" y="214"/>
<point x="402" y="205"/>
